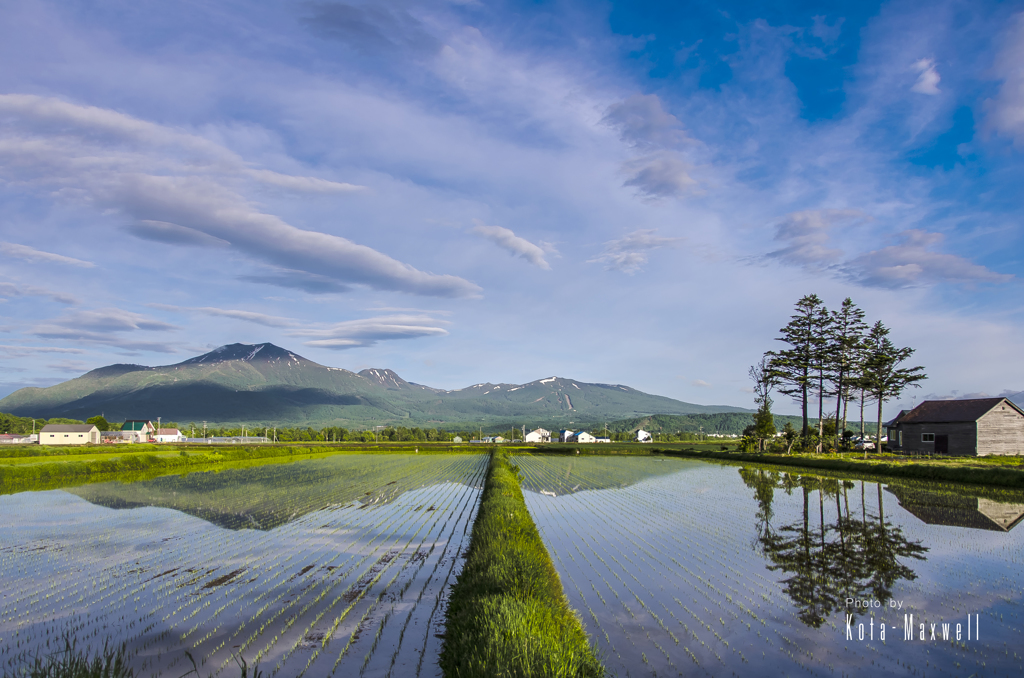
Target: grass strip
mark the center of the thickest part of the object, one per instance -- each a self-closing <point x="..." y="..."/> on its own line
<point x="507" y="615"/>
<point x="969" y="471"/>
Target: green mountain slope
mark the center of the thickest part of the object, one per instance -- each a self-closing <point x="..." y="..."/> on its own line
<point x="263" y="383"/>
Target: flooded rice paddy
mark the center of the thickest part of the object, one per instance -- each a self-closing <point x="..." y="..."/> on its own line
<point x="688" y="568"/>
<point x="333" y="566"/>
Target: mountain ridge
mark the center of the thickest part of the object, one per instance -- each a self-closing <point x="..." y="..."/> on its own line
<point x="265" y="383"/>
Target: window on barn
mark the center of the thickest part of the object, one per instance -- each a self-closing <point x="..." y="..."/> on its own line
<point x="927" y="437"/>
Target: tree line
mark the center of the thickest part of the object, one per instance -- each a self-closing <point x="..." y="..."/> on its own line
<point x="832" y="357"/>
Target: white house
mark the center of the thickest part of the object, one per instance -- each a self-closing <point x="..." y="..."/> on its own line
<point x="539" y="435"/>
<point x="169" y="435"/>
<point x="603" y="440"/>
<point x="69" y="434"/>
<point x="566" y="436"/>
<point x="584" y="437"/>
<point x="643" y="436"/>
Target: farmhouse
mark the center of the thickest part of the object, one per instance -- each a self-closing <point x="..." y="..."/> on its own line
<point x="976" y="428"/>
<point x="69" y="434"/>
<point x="538" y="435"/>
<point x="643" y="436"/>
<point x="137" y="430"/>
<point x="584" y="437"/>
<point x="566" y="436"/>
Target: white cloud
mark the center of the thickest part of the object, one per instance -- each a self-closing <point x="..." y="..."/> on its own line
<point x="369" y="331"/>
<point x="629" y="254"/>
<point x="912" y="262"/>
<point x="1006" y="110"/>
<point x="928" y="80"/>
<point x="303" y="184"/>
<point x="173" y="234"/>
<point x="701" y="383"/>
<point x="520" y="247"/>
<point x="660" y="175"/>
<point x="32" y="255"/>
<point x="115" y="162"/>
<point x="9" y="351"/>
<point x="103" y="327"/>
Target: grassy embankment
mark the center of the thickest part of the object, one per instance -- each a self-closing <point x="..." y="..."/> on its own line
<point x="39" y="467"/>
<point x="507" y="615"/>
<point x="999" y="471"/>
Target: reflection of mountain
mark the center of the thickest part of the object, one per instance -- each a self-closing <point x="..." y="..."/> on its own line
<point x="265" y="497"/>
<point x="564" y="475"/>
<point x="960" y="510"/>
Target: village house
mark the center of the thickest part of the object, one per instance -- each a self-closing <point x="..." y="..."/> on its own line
<point x="169" y="435"/>
<point x="584" y="437"/>
<point x="137" y="430"/>
<point x="565" y="436"/>
<point x="643" y="436"/>
<point x="69" y="434"/>
<point x="538" y="435"/>
<point x="977" y="427"/>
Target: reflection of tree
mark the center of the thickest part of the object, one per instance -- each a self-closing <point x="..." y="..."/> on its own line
<point x="852" y="558"/>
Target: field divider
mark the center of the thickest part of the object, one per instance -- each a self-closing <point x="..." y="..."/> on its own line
<point x="508" y="614"/>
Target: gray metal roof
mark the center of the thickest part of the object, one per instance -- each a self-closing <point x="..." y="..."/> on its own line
<point x="949" y="411"/>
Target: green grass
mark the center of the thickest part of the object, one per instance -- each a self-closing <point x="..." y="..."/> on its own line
<point x="997" y="471"/>
<point x="73" y="663"/>
<point x="507" y="615"/>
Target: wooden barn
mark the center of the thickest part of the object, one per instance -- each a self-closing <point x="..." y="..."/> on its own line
<point x="975" y="428"/>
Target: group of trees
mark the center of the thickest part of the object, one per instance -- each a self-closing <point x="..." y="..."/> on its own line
<point x="831" y="356"/>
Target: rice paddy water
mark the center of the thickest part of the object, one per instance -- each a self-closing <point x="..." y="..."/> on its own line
<point x="688" y="568"/>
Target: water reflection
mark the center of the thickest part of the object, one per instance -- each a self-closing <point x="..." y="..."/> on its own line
<point x="960" y="510"/>
<point x="851" y="557"/>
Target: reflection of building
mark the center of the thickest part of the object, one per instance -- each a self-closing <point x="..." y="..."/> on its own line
<point x="977" y="427"/>
<point x="960" y="510"/>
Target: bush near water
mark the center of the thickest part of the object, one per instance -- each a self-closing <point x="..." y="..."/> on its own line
<point x="507" y="615"/>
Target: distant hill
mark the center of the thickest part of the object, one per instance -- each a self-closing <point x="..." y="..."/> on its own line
<point x="266" y="384"/>
<point x="720" y="422"/>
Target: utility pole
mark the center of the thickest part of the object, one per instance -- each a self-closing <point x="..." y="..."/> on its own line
<point x="204" y="428"/>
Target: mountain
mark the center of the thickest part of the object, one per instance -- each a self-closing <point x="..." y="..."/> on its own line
<point x="266" y="384"/>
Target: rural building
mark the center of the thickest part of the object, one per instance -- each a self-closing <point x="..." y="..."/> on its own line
<point x="978" y="427"/>
<point x="137" y="430"/>
<point x="961" y="510"/>
<point x="538" y="435"/>
<point x="603" y="440"/>
<point x="169" y="435"/>
<point x="69" y="434"/>
<point x="566" y="436"/>
<point x="643" y="436"/>
<point x="16" y="439"/>
<point x="584" y="437"/>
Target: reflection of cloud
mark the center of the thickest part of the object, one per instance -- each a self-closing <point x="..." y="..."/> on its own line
<point x="32" y="255"/>
<point x="912" y="262"/>
<point x="506" y="239"/>
<point x="249" y="316"/>
<point x="928" y="80"/>
<point x="15" y="290"/>
<point x="629" y="254"/>
<point x="169" y="183"/>
<point x="369" y="331"/>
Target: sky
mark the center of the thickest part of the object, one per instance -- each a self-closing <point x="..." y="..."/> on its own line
<point x="621" y="192"/>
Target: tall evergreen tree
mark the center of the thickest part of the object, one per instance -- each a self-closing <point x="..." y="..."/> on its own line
<point x="883" y="378"/>
<point x="846" y="340"/>
<point x="793" y="368"/>
<point x="764" y="422"/>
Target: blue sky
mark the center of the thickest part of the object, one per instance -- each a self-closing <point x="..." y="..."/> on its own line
<point x="630" y="192"/>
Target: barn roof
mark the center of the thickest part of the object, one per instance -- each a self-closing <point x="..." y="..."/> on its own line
<point x="948" y="411"/>
<point x="67" y="428"/>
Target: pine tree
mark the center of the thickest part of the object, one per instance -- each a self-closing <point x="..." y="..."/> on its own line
<point x="793" y="368"/>
<point x="764" y="381"/>
<point x="883" y="378"/>
<point x="845" y="343"/>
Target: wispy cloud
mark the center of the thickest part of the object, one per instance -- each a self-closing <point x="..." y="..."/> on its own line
<point x="298" y="280"/>
<point x="248" y="316"/>
<point x="173" y="234"/>
<point x="16" y="290"/>
<point x="806" y="236"/>
<point x="370" y="331"/>
<point x="507" y="240"/>
<point x="1006" y="109"/>
<point x="30" y="254"/>
<point x="10" y="351"/>
<point x="928" y="80"/>
<point x="104" y="327"/>
<point x="629" y="254"/>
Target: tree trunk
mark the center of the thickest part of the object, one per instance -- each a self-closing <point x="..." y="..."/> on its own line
<point x="839" y="405"/>
<point x="878" y="425"/>
<point x="821" y="409"/>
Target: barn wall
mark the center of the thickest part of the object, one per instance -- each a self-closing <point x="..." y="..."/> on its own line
<point x="1001" y="431"/>
<point x="962" y="438"/>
